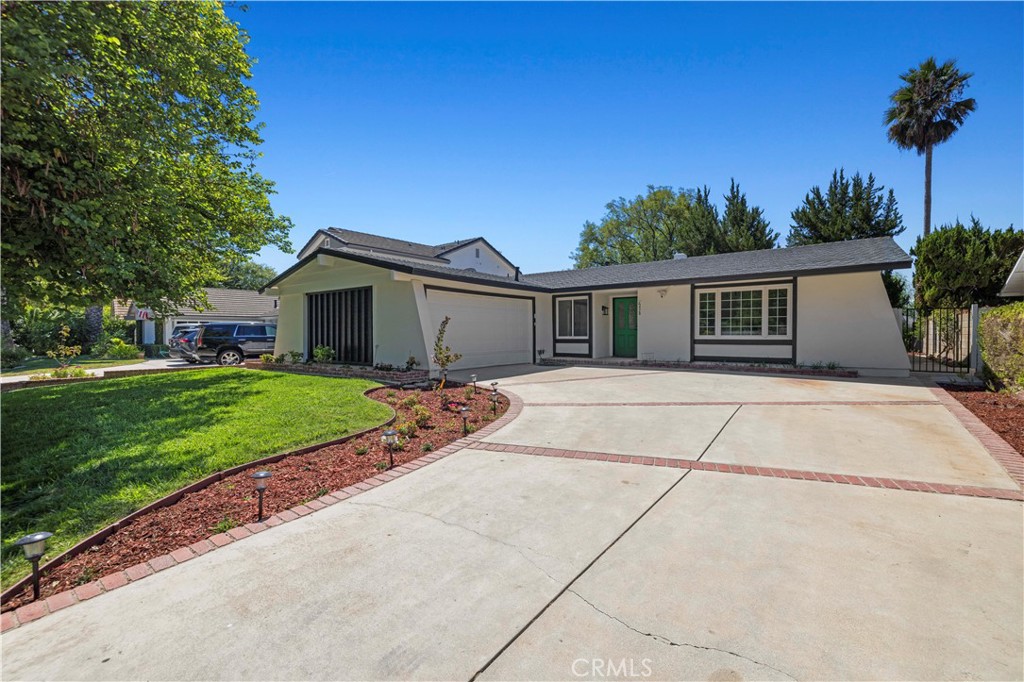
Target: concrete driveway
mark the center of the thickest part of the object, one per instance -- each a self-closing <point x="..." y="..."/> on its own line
<point x="495" y="563"/>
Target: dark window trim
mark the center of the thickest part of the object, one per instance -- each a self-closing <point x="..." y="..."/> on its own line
<point x="694" y="340"/>
<point x="725" y="284"/>
<point x="726" y="358"/>
<point x="531" y="299"/>
<point x="555" y="340"/>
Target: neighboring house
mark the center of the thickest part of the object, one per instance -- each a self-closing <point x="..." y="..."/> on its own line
<point x="1014" y="287"/>
<point x="223" y="305"/>
<point x="379" y="300"/>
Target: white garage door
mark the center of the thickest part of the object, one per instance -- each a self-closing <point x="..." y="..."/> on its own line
<point x="487" y="330"/>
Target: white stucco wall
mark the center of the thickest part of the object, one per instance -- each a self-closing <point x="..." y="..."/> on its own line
<point x="847" y="319"/>
<point x="396" y="329"/>
<point x="664" y="323"/>
<point x="488" y="261"/>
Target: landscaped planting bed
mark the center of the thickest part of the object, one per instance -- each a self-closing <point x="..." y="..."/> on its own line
<point x="296" y="479"/>
<point x="1001" y="412"/>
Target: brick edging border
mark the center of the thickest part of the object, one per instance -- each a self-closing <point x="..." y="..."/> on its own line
<point x="37" y="609"/>
<point x="1002" y="452"/>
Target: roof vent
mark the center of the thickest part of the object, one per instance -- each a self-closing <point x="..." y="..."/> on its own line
<point x="678" y="256"/>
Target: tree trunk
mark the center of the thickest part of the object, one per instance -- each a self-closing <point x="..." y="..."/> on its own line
<point x="927" y="191"/>
<point x="93" y="325"/>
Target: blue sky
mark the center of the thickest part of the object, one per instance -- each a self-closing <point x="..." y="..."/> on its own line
<point x="518" y="122"/>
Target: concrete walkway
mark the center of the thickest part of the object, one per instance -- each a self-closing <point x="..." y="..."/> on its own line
<point x="493" y="565"/>
<point x="152" y="363"/>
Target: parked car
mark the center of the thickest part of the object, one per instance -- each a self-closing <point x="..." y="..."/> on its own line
<point x="179" y="335"/>
<point x="182" y="346"/>
<point x="230" y="343"/>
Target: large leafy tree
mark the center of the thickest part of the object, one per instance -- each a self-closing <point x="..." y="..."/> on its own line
<point x="851" y="208"/>
<point x="926" y="111"/>
<point x="958" y="264"/>
<point x="665" y="221"/>
<point x="645" y="228"/>
<point x="245" y="275"/>
<point x="129" y="144"/>
<point x="744" y="227"/>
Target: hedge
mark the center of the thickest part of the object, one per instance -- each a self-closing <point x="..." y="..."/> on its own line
<point x="1002" y="345"/>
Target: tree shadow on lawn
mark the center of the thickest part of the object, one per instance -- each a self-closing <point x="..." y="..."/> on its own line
<point x="81" y="456"/>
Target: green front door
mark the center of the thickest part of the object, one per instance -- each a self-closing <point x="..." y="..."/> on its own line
<point x="624" y="326"/>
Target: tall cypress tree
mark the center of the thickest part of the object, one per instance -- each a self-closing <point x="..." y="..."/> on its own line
<point x="849" y="209"/>
<point x="744" y="227"/>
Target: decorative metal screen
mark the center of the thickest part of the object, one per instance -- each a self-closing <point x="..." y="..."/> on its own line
<point x="342" y="320"/>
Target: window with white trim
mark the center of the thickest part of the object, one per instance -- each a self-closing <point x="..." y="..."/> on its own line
<point x="754" y="312"/>
<point x="572" y="318"/>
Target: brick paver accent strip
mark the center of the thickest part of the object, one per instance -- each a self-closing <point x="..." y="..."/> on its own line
<point x="30" y="612"/>
<point x="1001" y="451"/>
<point x="733" y="403"/>
<point x="748" y="470"/>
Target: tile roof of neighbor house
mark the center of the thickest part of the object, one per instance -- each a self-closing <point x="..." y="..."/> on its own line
<point x="881" y="253"/>
<point x="238" y="303"/>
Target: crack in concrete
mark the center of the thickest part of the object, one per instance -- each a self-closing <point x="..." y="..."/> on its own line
<point x="665" y="640"/>
<point x="471" y="530"/>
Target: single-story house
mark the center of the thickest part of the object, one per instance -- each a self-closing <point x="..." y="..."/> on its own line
<point x="379" y="300"/>
<point x="224" y="305"/>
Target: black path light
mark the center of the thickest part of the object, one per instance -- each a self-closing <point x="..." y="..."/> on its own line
<point x="472" y="377"/>
<point x="390" y="439"/>
<point x="464" y="412"/>
<point x="262" y="478"/>
<point x="34" y="546"/>
<point x="494" y="402"/>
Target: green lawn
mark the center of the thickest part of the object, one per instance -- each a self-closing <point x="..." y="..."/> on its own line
<point x="43" y="365"/>
<point x="78" y="457"/>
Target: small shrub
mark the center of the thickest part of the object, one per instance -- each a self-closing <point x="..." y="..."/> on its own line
<point x="381" y="466"/>
<point x="384" y="367"/>
<point x="421" y="415"/>
<point x="832" y="365"/>
<point x="116" y="349"/>
<point x="295" y="356"/>
<point x="1002" y="346"/>
<point x="69" y="373"/>
<point x="280" y="359"/>
<point x="444" y="356"/>
<point x="410" y="400"/>
<point x="323" y="354"/>
<point x="407" y="429"/>
<point x="64" y="353"/>
<point x="224" y="525"/>
<point x="467" y="392"/>
<point x="268" y="359"/>
<point x="362" y="450"/>
<point x="411" y="363"/>
<point x="390" y="394"/>
<point x="427" y="447"/>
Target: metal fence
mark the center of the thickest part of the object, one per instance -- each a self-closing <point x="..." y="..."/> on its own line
<point x="941" y="339"/>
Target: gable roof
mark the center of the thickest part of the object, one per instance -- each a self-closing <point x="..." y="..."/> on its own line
<point x="862" y="255"/>
<point x="374" y="241"/>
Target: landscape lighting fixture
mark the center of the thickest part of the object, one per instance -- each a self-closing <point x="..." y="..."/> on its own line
<point x="34" y="546"/>
<point x="464" y="411"/>
<point x="472" y="377"/>
<point x="494" y="402"/>
<point x="262" y="478"/>
<point x="390" y="439"/>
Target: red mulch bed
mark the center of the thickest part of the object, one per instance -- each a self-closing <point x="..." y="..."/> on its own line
<point x="296" y="480"/>
<point x="1002" y="412"/>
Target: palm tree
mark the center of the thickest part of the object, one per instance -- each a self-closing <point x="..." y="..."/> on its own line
<point x="926" y="111"/>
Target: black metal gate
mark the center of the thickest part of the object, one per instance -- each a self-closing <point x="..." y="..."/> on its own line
<point x="939" y="339"/>
<point x="342" y="320"/>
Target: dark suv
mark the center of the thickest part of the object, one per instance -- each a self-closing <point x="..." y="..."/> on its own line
<point x="230" y="343"/>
